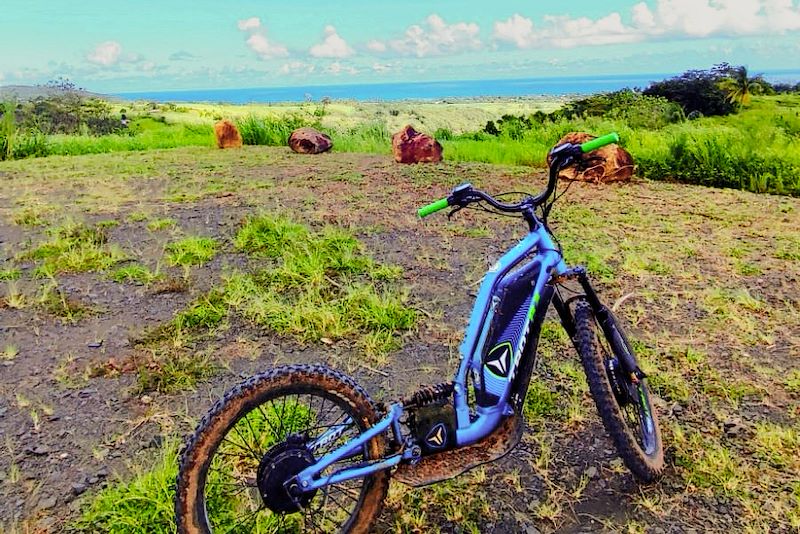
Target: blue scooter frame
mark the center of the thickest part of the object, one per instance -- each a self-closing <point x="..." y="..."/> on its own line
<point x="472" y="426"/>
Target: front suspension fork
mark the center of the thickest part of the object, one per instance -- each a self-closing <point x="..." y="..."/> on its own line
<point x="604" y="318"/>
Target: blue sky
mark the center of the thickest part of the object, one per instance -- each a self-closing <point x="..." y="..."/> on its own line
<point x="152" y="45"/>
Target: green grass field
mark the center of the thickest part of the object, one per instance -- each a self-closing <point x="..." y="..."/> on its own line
<point x="757" y="149"/>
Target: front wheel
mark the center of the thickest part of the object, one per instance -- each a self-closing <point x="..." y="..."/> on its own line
<point x="265" y="431"/>
<point x="623" y="402"/>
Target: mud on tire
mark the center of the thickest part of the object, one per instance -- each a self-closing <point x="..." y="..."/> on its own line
<point x="646" y="467"/>
<point x="252" y="395"/>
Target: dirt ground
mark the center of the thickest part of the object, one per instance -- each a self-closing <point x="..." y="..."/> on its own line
<point x="695" y="271"/>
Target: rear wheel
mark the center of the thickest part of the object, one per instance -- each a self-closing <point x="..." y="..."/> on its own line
<point x="623" y="402"/>
<point x="262" y="433"/>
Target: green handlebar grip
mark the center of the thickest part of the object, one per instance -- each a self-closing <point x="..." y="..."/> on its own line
<point x="600" y="142"/>
<point x="440" y="204"/>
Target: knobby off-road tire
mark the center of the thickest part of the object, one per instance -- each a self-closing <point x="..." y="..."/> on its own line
<point x="258" y="395"/>
<point x="646" y="466"/>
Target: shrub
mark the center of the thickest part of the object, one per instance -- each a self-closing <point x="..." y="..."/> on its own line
<point x="443" y="134"/>
<point x="30" y="144"/>
<point x="632" y="107"/>
<point x="783" y="88"/>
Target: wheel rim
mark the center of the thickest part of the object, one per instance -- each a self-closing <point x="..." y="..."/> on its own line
<point x="233" y="500"/>
<point x="637" y="411"/>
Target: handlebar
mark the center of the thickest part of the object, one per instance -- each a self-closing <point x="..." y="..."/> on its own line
<point x="433" y="207"/>
<point x="600" y="142"/>
<point x="562" y="156"/>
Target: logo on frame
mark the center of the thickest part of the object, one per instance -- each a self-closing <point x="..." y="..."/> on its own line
<point x="437" y="437"/>
<point x="498" y="361"/>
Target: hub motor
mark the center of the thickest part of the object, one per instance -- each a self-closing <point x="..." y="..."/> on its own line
<point x="282" y="462"/>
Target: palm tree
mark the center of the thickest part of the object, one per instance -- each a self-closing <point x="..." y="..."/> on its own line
<point x="739" y="86"/>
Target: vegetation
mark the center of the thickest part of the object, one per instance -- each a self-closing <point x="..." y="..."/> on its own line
<point x="75" y="247"/>
<point x="699" y="92"/>
<point x="191" y="251"/>
<point x="271" y="130"/>
<point x="321" y="286"/>
<point x="757" y="149"/>
<point x="142" y="504"/>
<point x="134" y="273"/>
<point x="740" y="87"/>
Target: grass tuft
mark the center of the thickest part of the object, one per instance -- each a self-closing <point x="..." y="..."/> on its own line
<point x="171" y="369"/>
<point x="9" y="353"/>
<point x="268" y="236"/>
<point x="55" y="301"/>
<point x="144" y="504"/>
<point x="206" y="312"/>
<point x="8" y="275"/>
<point x="75" y="247"/>
<point x="793" y="382"/>
<point x="191" y="251"/>
<point x="157" y="225"/>
<point x="135" y="273"/>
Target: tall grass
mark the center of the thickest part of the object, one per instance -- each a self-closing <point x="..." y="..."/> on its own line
<point x="269" y="130"/>
<point x="757" y="150"/>
<point x="147" y="134"/>
<point x="16" y="142"/>
<point x="722" y="159"/>
<point x="8" y="129"/>
<point x="372" y="137"/>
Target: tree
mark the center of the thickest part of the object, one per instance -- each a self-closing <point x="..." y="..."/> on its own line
<point x="739" y="86"/>
<point x="696" y="91"/>
<point x="63" y="84"/>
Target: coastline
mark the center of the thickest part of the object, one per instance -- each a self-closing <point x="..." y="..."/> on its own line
<point x="402" y="91"/>
<point x="424" y="91"/>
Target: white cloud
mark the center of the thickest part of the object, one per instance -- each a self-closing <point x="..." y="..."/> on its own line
<point x="381" y="67"/>
<point x="332" y="45"/>
<point x="376" y="46"/>
<point x="297" y="67"/>
<point x="642" y="16"/>
<point x="246" y="25"/>
<point x="258" y="41"/>
<point x="337" y="68"/>
<point x="105" y="54"/>
<point x="689" y="18"/>
<point x="517" y="29"/>
<point x="436" y="38"/>
<point x="259" y="44"/>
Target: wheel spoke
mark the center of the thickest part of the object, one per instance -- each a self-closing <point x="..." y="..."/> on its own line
<point x="231" y="479"/>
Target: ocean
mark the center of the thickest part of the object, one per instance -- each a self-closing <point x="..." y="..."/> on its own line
<point x="577" y="85"/>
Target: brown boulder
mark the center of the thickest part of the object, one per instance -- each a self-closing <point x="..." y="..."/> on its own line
<point x="309" y="141"/>
<point x="227" y="135"/>
<point x="410" y="146"/>
<point x="611" y="163"/>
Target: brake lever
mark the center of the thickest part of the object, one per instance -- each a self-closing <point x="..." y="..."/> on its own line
<point x="454" y="211"/>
